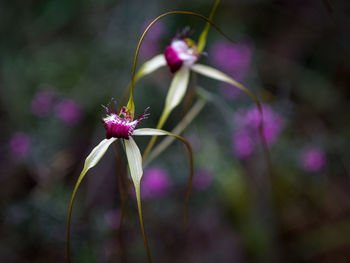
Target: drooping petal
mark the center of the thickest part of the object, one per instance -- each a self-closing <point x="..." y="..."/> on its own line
<point x="220" y="76"/>
<point x="150" y="66"/>
<point x="135" y="161"/>
<point x="135" y="167"/>
<point x="175" y="94"/>
<point x="93" y="158"/>
<point x="176" y="91"/>
<point x="158" y="132"/>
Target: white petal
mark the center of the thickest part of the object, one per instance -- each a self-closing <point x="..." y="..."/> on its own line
<point x="150" y="132"/>
<point x="93" y="158"/>
<point x="135" y="162"/>
<point x="177" y="89"/>
<point x="220" y="76"/>
<point x="97" y="153"/>
<point x="150" y="66"/>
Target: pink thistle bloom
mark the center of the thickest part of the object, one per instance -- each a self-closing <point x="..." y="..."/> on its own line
<point x="181" y="52"/>
<point x="68" y="111"/>
<point x="20" y="144"/>
<point x="120" y="127"/>
<point x="313" y="159"/>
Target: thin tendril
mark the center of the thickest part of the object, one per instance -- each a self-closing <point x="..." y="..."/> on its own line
<point x="131" y="103"/>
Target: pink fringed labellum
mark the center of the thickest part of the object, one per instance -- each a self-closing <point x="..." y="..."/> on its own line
<point x="122" y="125"/>
<point x="181" y="52"/>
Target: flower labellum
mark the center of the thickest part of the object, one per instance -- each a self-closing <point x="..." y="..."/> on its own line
<point x="121" y="127"/>
<point x="180" y="52"/>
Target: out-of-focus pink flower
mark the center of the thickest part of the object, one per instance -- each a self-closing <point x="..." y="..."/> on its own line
<point x="155" y="183"/>
<point x="68" y="111"/>
<point x="202" y="180"/>
<point x="150" y="46"/>
<point x="246" y="135"/>
<point x="243" y="145"/>
<point x="42" y="103"/>
<point x="313" y="159"/>
<point x="233" y="58"/>
<point x="20" y="144"/>
<point x="112" y="218"/>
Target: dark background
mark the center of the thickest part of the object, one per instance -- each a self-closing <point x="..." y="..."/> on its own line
<point x="60" y="60"/>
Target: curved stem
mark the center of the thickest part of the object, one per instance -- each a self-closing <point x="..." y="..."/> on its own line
<point x="68" y="221"/>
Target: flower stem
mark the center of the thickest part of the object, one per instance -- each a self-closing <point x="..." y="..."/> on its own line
<point x="138" y="198"/>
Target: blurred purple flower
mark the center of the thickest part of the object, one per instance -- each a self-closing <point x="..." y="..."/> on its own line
<point x="202" y="180"/>
<point x="20" y="144"/>
<point x="243" y="145"/>
<point x="42" y="104"/>
<point x="246" y="136"/>
<point x="150" y="46"/>
<point x="233" y="58"/>
<point x="112" y="218"/>
<point x="313" y="159"/>
<point x="68" y="111"/>
<point x="155" y="183"/>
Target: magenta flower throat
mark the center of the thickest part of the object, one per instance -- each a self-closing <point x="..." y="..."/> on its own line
<point x="181" y="52"/>
<point x="120" y="125"/>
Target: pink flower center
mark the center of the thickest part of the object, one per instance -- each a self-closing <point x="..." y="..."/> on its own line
<point x="121" y="127"/>
<point x="179" y="54"/>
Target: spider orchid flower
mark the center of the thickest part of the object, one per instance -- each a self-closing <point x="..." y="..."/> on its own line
<point x="122" y="127"/>
<point x="182" y="56"/>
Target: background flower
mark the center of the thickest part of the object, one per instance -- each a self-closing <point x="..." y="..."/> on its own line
<point x="246" y="137"/>
<point x="41" y="104"/>
<point x="155" y="183"/>
<point x="313" y="159"/>
<point x="20" y="144"/>
<point x="68" y="111"/>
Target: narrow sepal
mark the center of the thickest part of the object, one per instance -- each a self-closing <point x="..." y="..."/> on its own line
<point x="93" y="158"/>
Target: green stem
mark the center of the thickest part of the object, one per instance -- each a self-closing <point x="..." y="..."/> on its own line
<point x="68" y="221"/>
<point x="138" y="198"/>
<point x="203" y="37"/>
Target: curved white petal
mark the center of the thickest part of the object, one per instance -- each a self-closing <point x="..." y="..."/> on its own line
<point x="135" y="162"/>
<point x="220" y="76"/>
<point x="150" y="66"/>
